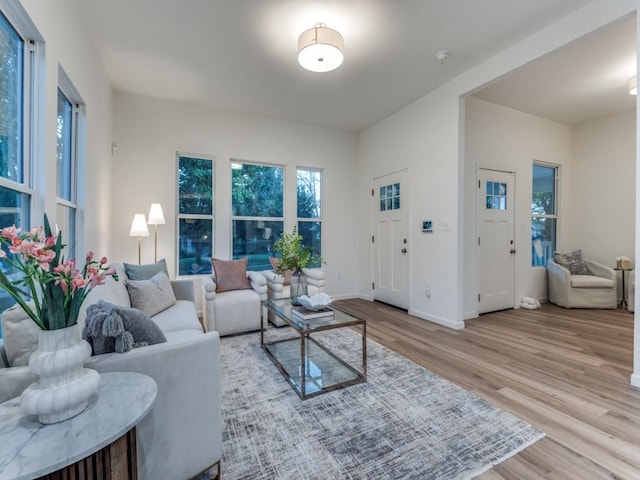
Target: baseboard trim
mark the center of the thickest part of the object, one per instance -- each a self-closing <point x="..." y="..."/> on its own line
<point x="456" y="325"/>
<point x="470" y="315"/>
<point x="635" y="380"/>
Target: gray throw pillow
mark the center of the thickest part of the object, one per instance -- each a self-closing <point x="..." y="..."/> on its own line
<point x="151" y="296"/>
<point x="572" y="261"/>
<point x="112" y="328"/>
<point x="145" y="272"/>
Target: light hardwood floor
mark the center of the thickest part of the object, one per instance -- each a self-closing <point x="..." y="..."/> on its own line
<point x="564" y="371"/>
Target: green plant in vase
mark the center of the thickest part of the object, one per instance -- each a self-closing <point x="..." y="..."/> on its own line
<point x="293" y="256"/>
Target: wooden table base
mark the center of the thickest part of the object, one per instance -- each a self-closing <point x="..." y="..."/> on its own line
<point x="115" y="461"/>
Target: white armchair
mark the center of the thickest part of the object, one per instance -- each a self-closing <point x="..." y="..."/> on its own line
<point x="277" y="289"/>
<point x="598" y="289"/>
<point x="234" y="311"/>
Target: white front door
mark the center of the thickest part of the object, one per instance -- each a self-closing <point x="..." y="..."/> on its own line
<point x="390" y="240"/>
<point x="496" y="240"/>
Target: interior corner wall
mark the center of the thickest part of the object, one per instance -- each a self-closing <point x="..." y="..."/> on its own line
<point x="501" y="138"/>
<point x="423" y="138"/>
<point x="66" y="45"/>
<point x="603" y="206"/>
<point x="428" y="137"/>
<point x="149" y="132"/>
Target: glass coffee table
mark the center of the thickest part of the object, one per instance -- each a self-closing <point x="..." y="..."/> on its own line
<point x="312" y="367"/>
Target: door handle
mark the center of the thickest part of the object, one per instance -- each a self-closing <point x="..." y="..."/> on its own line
<point x="513" y="251"/>
<point x="404" y="250"/>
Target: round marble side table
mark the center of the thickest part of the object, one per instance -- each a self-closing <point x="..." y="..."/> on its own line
<point x="29" y="449"/>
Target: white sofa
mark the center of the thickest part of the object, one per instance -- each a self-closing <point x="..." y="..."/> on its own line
<point x="182" y="433"/>
<point x="276" y="288"/>
<point x="598" y="289"/>
<point x="234" y="311"/>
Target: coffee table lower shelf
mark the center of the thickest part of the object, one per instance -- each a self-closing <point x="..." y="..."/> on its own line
<point x="323" y="370"/>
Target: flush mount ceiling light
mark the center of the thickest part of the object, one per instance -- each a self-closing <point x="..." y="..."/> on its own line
<point x="633" y="85"/>
<point x="320" y="49"/>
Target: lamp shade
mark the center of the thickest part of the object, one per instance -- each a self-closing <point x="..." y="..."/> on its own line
<point x="320" y="49"/>
<point x="156" y="216"/>
<point x="633" y="85"/>
<point x="139" y="226"/>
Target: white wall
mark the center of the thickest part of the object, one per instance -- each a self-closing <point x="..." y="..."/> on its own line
<point x="149" y="131"/>
<point x="604" y="188"/>
<point x="505" y="139"/>
<point x="66" y="45"/>
<point x="424" y="139"/>
<point x="428" y="137"/>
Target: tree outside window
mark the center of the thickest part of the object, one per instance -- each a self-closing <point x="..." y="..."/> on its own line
<point x="543" y="214"/>
<point x="195" y="215"/>
<point x="257" y="192"/>
<point x="309" y="200"/>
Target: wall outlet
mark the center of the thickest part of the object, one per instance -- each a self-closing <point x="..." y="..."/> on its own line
<point x="339" y="276"/>
<point x="428" y="291"/>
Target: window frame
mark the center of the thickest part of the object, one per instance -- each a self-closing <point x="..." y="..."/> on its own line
<point x="554" y="216"/>
<point x="194" y="216"/>
<point x="78" y="119"/>
<point x="318" y="219"/>
<point x="248" y="218"/>
<point x="31" y="98"/>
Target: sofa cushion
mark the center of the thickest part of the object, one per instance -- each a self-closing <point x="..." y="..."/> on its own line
<point x="151" y="296"/>
<point x="181" y="316"/>
<point x="230" y="274"/>
<point x="287" y="274"/>
<point x="20" y="335"/>
<point x="111" y="328"/>
<point x="145" y="272"/>
<point x="180" y="336"/>
<point x="572" y="261"/>
<point x="591" y="281"/>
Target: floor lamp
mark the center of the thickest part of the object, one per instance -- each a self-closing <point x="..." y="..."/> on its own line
<point x="139" y="229"/>
<point x="156" y="217"/>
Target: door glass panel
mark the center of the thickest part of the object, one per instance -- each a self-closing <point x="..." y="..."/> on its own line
<point x="390" y="197"/>
<point x="496" y="196"/>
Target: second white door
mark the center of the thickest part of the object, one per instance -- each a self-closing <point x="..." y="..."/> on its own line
<point x="496" y="240"/>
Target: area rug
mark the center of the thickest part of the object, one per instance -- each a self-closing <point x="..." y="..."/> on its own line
<point x="405" y="422"/>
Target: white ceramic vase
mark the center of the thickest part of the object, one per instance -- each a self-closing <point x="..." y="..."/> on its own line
<point x="64" y="387"/>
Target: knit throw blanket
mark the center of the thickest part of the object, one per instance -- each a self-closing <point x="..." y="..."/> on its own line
<point x="112" y="328"/>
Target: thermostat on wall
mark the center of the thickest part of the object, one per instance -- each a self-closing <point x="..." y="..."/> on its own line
<point x="427" y="226"/>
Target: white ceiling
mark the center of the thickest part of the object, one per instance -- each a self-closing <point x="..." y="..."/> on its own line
<point x="240" y="55"/>
<point x="582" y="81"/>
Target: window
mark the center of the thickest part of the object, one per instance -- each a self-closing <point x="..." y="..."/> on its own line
<point x="496" y="196"/>
<point x="309" y="187"/>
<point x="16" y="92"/>
<point x="390" y="197"/>
<point x="257" y="211"/>
<point x="195" y="214"/>
<point x="544" y="216"/>
<point x="68" y="141"/>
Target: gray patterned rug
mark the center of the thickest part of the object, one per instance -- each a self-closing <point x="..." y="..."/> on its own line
<point x="405" y="422"/>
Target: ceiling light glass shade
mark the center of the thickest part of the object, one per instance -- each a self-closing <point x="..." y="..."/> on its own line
<point x="139" y="226"/>
<point x="320" y="49"/>
<point x="633" y="85"/>
<point x="156" y="216"/>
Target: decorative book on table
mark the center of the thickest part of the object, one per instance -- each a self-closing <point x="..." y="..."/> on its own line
<point x="307" y="314"/>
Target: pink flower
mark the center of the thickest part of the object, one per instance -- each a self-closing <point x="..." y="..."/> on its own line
<point x="89" y="257"/>
<point x="10" y="232"/>
<point x="63" y="285"/>
<point x="103" y="260"/>
<point x="97" y="279"/>
<point x="78" y="281"/>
